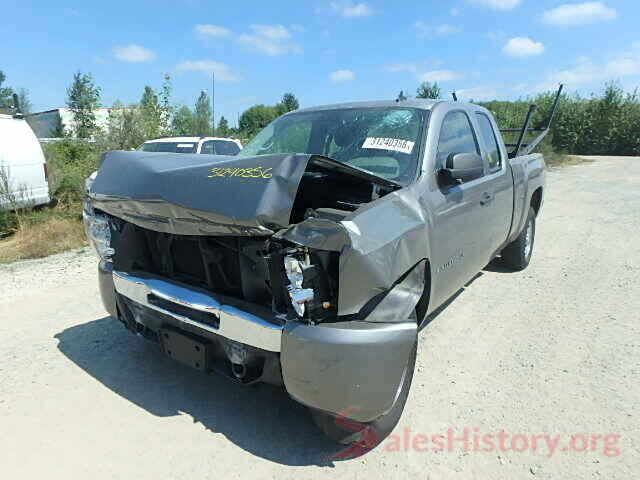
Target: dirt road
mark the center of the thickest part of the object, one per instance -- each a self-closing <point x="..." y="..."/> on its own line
<point x="554" y="350"/>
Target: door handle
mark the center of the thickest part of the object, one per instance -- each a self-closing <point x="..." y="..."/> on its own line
<point x="486" y="198"/>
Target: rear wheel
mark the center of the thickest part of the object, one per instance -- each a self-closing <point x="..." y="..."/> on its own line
<point x="517" y="254"/>
<point x="364" y="436"/>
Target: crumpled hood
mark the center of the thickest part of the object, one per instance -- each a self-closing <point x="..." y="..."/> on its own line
<point x="199" y="194"/>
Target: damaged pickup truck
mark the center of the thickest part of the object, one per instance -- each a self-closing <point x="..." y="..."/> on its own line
<point x="311" y="259"/>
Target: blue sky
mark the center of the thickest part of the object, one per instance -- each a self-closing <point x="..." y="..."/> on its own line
<point x="323" y="51"/>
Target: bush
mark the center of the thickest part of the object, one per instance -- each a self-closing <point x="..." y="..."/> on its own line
<point x="69" y="163"/>
<point x="605" y="124"/>
<point x="10" y="201"/>
<point x="7" y="222"/>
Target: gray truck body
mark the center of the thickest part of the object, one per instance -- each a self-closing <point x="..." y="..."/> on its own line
<point x="393" y="259"/>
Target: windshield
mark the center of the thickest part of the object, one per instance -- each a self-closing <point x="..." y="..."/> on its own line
<point x="170" y="147"/>
<point x="384" y="141"/>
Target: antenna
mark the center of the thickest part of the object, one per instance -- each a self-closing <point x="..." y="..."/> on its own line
<point x="213" y="93"/>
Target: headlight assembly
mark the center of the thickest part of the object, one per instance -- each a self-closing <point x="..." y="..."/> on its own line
<point x="98" y="230"/>
<point x="294" y="269"/>
<point x="89" y="181"/>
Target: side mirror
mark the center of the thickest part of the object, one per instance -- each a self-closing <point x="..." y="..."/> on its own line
<point x="464" y="166"/>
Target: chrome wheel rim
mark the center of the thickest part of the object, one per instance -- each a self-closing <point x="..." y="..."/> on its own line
<point x="528" y="239"/>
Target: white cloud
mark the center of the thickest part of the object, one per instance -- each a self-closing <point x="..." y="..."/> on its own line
<point x="623" y="67"/>
<point x="478" y="93"/>
<point x="572" y="14"/>
<point x="498" y="4"/>
<point x="439" y="76"/>
<point x="401" y="67"/>
<point x="523" y="47"/>
<point x="586" y="71"/>
<point x="133" y="54"/>
<point x="424" y="29"/>
<point x="270" y="40"/>
<point x="223" y="72"/>
<point x="340" y="76"/>
<point x="352" y="10"/>
<point x="272" y="32"/>
<point x="212" y="30"/>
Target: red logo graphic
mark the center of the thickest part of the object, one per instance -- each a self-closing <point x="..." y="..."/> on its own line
<point x="365" y="436"/>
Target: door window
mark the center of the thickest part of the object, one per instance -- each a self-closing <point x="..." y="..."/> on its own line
<point x="456" y="136"/>
<point x="489" y="136"/>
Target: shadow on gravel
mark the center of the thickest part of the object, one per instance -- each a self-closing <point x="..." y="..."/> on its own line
<point x="262" y="420"/>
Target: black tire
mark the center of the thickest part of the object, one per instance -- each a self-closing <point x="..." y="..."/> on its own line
<point x="366" y="436"/>
<point x="517" y="254"/>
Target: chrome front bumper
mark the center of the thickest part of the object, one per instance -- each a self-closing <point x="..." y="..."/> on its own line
<point x="234" y="324"/>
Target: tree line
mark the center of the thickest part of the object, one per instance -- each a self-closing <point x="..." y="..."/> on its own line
<point x="607" y="122"/>
<point x="155" y="115"/>
<point x="604" y="123"/>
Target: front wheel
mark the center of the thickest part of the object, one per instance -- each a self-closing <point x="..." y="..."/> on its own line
<point x="517" y="254"/>
<point x="364" y="436"/>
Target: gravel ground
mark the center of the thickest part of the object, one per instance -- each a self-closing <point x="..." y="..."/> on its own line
<point x="551" y="350"/>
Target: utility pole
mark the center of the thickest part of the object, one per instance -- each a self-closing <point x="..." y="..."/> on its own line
<point x="213" y="92"/>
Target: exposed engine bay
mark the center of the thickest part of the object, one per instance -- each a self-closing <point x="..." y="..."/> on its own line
<point x="146" y="229"/>
<point x="278" y="275"/>
<point x="333" y="192"/>
<point x="284" y="279"/>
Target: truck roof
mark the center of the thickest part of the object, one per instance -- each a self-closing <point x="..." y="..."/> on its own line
<point x="424" y="104"/>
<point x="189" y="139"/>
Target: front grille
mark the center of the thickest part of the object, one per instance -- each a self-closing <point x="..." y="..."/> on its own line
<point x="231" y="266"/>
<point x="199" y="261"/>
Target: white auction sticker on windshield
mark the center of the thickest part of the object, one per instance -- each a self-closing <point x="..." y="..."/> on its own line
<point x="395" y="144"/>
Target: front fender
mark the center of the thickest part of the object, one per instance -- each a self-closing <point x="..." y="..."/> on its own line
<point x="378" y="244"/>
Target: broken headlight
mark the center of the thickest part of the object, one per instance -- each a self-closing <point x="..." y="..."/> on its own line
<point x="294" y="268"/>
<point x="98" y="230"/>
<point x="89" y="181"/>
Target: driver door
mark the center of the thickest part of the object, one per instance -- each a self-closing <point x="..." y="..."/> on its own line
<point x="462" y="237"/>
